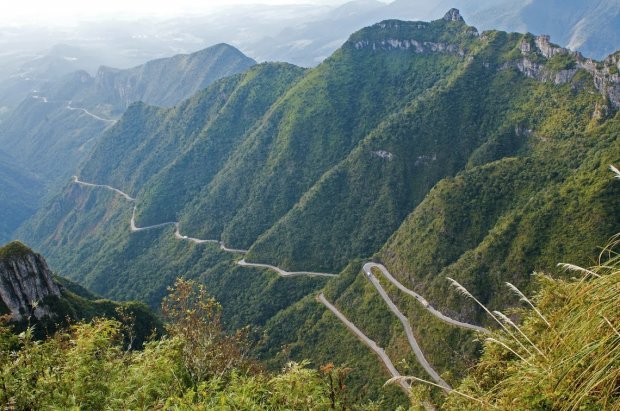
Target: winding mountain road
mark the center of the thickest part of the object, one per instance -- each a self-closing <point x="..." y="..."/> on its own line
<point x="68" y="106"/>
<point x="284" y="273"/>
<point x="135" y="229"/>
<point x="362" y="337"/>
<point x="177" y="232"/>
<point x="408" y="331"/>
<point x="368" y="268"/>
<point x="76" y="180"/>
<point x="83" y="110"/>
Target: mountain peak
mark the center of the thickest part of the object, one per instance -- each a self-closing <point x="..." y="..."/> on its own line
<point x="453" y="15"/>
<point x="14" y="249"/>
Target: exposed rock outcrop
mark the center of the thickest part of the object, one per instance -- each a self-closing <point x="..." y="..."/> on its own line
<point x="453" y="15"/>
<point x="413" y="36"/>
<point x="25" y="282"/>
<point x="605" y="73"/>
<point x="416" y="46"/>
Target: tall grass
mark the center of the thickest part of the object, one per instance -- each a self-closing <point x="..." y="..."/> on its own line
<point x="576" y="365"/>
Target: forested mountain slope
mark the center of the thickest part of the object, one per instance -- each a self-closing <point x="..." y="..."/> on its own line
<point x="52" y="131"/>
<point x="436" y="149"/>
<point x="55" y="128"/>
<point x="19" y="195"/>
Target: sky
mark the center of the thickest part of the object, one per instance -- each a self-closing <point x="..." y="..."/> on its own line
<point x="60" y="12"/>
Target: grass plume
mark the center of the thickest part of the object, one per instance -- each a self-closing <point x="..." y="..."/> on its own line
<point x="466" y="293"/>
<point x="523" y="298"/>
<point x="582" y="349"/>
<point x="508" y="321"/>
<point x="576" y="268"/>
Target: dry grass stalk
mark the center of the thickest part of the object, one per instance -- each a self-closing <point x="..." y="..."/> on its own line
<point x="523" y="298"/>
<point x="516" y="327"/>
<point x="466" y="293"/>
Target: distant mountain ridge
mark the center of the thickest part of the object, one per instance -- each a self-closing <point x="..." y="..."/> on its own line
<point x="590" y="27"/>
<point x="163" y="82"/>
<point x="54" y="129"/>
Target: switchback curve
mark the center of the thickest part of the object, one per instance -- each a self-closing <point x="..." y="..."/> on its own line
<point x="408" y="331"/>
<point x="367" y="341"/>
<point x="369" y="266"/>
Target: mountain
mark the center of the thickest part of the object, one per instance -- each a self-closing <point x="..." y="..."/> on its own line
<point x="40" y="69"/>
<point x="157" y="82"/>
<point x="431" y="148"/>
<point x="56" y="122"/>
<point x="591" y="28"/>
<point x="19" y="195"/>
<point x="54" y="129"/>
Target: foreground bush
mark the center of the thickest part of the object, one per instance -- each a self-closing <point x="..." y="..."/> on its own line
<point x="196" y="367"/>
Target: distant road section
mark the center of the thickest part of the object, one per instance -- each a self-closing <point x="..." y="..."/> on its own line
<point x="367" y="341"/>
<point x="76" y="180"/>
<point x="285" y="273"/>
<point x="177" y="235"/>
<point x="83" y="110"/>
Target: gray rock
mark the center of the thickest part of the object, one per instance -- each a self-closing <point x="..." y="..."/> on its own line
<point x="453" y="15"/>
<point x="605" y="73"/>
<point x="25" y="281"/>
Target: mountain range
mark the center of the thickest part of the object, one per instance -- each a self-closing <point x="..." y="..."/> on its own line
<point x="54" y="129"/>
<point x="433" y="148"/>
<point x="591" y="28"/>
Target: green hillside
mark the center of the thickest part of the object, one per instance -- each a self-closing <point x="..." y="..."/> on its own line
<point x="54" y="129"/>
<point x="434" y="149"/>
<point x="19" y="195"/>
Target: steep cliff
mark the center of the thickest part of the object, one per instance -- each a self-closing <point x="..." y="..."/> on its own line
<point x="25" y="282"/>
<point x="545" y="61"/>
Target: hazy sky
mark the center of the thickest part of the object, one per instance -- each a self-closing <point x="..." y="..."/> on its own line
<point x="68" y="11"/>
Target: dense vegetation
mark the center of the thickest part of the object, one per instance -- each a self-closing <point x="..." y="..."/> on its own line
<point x="13" y="250"/>
<point x="562" y="353"/>
<point x="440" y="161"/>
<point x="18" y="195"/>
<point x="196" y="366"/>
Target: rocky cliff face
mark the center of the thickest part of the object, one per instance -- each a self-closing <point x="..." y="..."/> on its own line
<point x="418" y="37"/>
<point x="25" y="281"/>
<point x="539" y="51"/>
